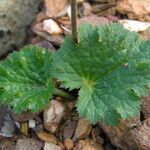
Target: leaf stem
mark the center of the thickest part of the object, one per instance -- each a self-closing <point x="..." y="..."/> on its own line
<point x="63" y="94"/>
<point x="74" y="20"/>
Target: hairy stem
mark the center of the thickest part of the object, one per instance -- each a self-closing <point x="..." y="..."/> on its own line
<point x="74" y="20"/>
<point x="63" y="94"/>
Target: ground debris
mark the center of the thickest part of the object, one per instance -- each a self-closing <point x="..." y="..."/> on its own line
<point x="88" y="145"/>
<point x="53" y="115"/>
<point x="56" y="8"/>
<point x="50" y="26"/>
<point x="28" y="144"/>
<point x="146" y="106"/>
<point x="130" y="134"/>
<point x="135" y="9"/>
<point x="8" y="145"/>
<point x="68" y="143"/>
<point x="8" y="126"/>
<point x="69" y="128"/>
<point x="51" y="146"/>
<point x="83" y="129"/>
<point x="47" y="137"/>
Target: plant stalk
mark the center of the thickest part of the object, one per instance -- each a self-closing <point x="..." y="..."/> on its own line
<point x="63" y="94"/>
<point x="74" y="20"/>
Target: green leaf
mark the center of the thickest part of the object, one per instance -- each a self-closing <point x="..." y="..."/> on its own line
<point x="109" y="67"/>
<point x="25" y="79"/>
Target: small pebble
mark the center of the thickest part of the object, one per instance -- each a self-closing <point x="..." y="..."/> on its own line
<point x="83" y="129"/>
<point x="51" y="27"/>
<point x="32" y="123"/>
<point x="53" y="115"/>
<point x="68" y="144"/>
<point x="51" y="146"/>
<point x="61" y="146"/>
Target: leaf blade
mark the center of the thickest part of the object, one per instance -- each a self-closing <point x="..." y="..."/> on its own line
<point x="104" y="67"/>
<point x="25" y="79"/>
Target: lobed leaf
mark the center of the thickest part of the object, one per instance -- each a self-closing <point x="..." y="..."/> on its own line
<point x="25" y="79"/>
<point x="110" y="66"/>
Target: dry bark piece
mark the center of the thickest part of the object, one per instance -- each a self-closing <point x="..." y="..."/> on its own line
<point x="110" y="11"/>
<point x="97" y="8"/>
<point x="83" y="129"/>
<point x="47" y="137"/>
<point x="87" y="9"/>
<point x="135" y="9"/>
<point x="37" y="39"/>
<point x="129" y="134"/>
<point x="104" y="8"/>
<point x="117" y="134"/>
<point x="139" y="138"/>
<point x="69" y="128"/>
<point x="25" y="116"/>
<point x="47" y="45"/>
<point x="146" y="106"/>
<point x="53" y="115"/>
<point x="54" y="39"/>
<point x="56" y="8"/>
<point x="93" y="19"/>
